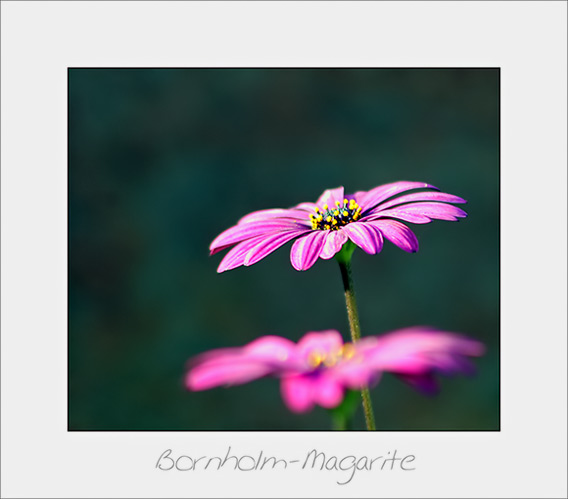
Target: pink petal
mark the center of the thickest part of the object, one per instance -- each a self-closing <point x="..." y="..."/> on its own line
<point x="440" y="211"/>
<point x="397" y="233"/>
<point x="309" y="207"/>
<point x="236" y="256"/>
<point x="270" y="345"/>
<point x="263" y="215"/>
<point x="245" y="231"/>
<point x="302" y="392"/>
<point x="400" y="215"/>
<point x="421" y="196"/>
<point x="378" y="194"/>
<point x="421" y="213"/>
<point x="415" y="351"/>
<point x="277" y="351"/>
<point x="333" y="243"/>
<point x="306" y="250"/>
<point x="366" y="236"/>
<point x="330" y="196"/>
<point x="224" y="371"/>
<point x="231" y="366"/>
<point x="323" y="342"/>
<point x="297" y="392"/>
<point x="355" y="374"/>
<point x="270" y="244"/>
<point x="358" y="196"/>
<point x="327" y="391"/>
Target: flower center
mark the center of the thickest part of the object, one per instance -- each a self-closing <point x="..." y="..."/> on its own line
<point x="333" y="218"/>
<point x="316" y="358"/>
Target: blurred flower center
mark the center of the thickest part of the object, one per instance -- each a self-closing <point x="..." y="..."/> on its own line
<point x="317" y="358"/>
<point x="333" y="218"/>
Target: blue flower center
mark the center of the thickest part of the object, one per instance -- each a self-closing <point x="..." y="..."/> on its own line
<point x="333" y="218"/>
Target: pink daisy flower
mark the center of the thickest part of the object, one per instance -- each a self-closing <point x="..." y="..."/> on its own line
<point x="320" y="367"/>
<point x="322" y="228"/>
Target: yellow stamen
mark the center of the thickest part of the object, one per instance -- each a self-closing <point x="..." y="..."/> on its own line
<point x="336" y="212"/>
<point x="337" y="203"/>
<point x="317" y="209"/>
<point x="325" y="206"/>
<point x="315" y="359"/>
<point x="345" y="213"/>
<point x="347" y="351"/>
<point x="345" y="201"/>
<point x="334" y="221"/>
<point x="328" y="218"/>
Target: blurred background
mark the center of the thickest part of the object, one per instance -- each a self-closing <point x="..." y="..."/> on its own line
<point x="163" y="160"/>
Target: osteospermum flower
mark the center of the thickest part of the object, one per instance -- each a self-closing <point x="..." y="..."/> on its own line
<point x="320" y="367"/>
<point x="323" y="227"/>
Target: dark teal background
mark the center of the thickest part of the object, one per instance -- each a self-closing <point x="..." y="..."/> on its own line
<point x="162" y="160"/>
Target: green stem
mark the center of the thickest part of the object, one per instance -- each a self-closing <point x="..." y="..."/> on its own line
<point x="339" y="422"/>
<point x="344" y="259"/>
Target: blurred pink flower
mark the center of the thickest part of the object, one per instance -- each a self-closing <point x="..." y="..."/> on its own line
<point x="321" y="228"/>
<point x="320" y="367"/>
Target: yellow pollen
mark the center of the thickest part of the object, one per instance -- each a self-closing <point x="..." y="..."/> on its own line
<point x="347" y="351"/>
<point x="315" y="359"/>
<point x="344" y="212"/>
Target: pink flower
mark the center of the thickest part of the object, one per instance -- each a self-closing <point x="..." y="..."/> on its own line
<point x="322" y="228"/>
<point x="320" y="367"/>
